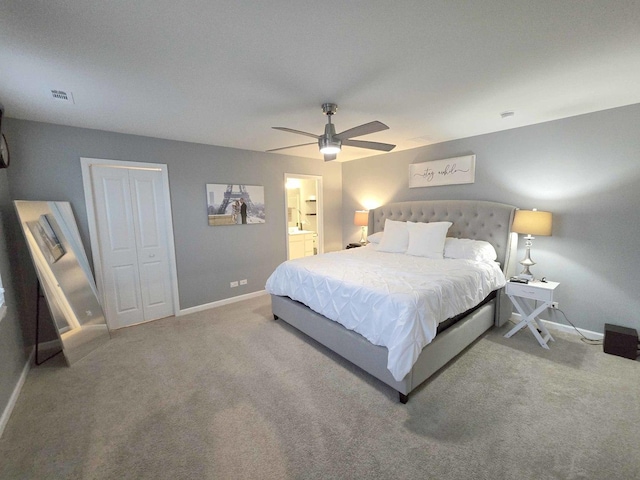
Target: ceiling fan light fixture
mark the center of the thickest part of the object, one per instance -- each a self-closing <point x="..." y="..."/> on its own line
<point x="328" y="147"/>
<point x="330" y="143"/>
<point x="329" y="150"/>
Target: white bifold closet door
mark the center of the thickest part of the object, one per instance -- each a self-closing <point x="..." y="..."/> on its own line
<point x="129" y="208"/>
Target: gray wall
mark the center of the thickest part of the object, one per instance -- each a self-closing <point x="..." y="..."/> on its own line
<point x="585" y="169"/>
<point x="12" y="351"/>
<point x="46" y="166"/>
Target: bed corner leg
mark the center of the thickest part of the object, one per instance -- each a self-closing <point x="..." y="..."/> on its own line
<point x="275" y="317"/>
<point x="403" y="398"/>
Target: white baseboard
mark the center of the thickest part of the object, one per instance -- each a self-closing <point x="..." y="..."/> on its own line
<point x="220" y="303"/>
<point x="516" y="317"/>
<point x="16" y="393"/>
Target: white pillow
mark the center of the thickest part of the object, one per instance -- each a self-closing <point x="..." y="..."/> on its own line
<point x="427" y="239"/>
<point x="467" y="249"/>
<point x="375" y="237"/>
<point x="395" y="238"/>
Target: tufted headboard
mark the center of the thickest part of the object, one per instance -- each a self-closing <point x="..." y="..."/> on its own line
<point x="475" y="219"/>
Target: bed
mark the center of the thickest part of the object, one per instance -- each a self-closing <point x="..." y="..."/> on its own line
<point x="477" y="220"/>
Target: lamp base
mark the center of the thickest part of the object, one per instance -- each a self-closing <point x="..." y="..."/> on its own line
<point x="363" y="240"/>
<point x="526" y="262"/>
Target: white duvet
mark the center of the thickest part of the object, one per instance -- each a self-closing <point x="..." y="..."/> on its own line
<point x="392" y="299"/>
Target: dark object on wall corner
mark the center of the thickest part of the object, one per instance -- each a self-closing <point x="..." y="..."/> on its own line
<point x="621" y="341"/>
<point x="4" y="148"/>
<point x="4" y="152"/>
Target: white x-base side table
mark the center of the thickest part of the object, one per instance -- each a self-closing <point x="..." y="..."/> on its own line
<point x="520" y="294"/>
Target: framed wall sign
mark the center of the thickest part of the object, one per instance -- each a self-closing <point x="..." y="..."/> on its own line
<point x="450" y="171"/>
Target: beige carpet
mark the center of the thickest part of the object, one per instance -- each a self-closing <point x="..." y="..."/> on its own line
<point x="229" y="393"/>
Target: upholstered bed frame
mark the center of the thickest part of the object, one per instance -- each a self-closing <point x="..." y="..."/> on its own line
<point x="478" y="220"/>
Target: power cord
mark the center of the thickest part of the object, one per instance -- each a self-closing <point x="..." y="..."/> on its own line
<point x="584" y="339"/>
<point x="587" y="340"/>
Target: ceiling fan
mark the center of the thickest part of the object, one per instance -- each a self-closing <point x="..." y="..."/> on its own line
<point x="331" y="143"/>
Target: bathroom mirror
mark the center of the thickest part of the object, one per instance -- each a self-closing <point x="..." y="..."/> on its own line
<point x="65" y="276"/>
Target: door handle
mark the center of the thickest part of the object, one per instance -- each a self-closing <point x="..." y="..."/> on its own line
<point x="151" y="255"/>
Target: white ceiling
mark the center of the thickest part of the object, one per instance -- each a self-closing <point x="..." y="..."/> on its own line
<point x="225" y="72"/>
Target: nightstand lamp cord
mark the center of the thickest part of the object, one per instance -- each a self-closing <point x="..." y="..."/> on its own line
<point x="587" y="340"/>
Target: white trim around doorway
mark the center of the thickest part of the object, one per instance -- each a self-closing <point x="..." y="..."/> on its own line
<point x="319" y="207"/>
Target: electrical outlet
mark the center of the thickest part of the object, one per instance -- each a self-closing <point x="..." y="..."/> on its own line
<point x="555" y="305"/>
<point x="243" y="282"/>
<point x="233" y="284"/>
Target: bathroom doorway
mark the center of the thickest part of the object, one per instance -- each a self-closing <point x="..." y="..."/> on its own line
<point x="303" y="205"/>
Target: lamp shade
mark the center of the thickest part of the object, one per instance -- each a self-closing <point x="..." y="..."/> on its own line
<point x="361" y="218"/>
<point x="532" y="222"/>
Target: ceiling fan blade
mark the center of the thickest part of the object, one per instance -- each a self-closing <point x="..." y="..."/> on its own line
<point x="385" y="147"/>
<point x="371" y="127"/>
<point x="330" y="156"/>
<point x="291" y="130"/>
<point x="291" y="146"/>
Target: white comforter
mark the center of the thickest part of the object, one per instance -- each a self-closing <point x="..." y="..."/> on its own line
<point x="392" y="299"/>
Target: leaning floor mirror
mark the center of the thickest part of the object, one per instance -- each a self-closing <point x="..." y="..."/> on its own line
<point x="65" y="276"/>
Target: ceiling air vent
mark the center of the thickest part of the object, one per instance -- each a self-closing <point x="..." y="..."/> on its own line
<point x="62" y="96"/>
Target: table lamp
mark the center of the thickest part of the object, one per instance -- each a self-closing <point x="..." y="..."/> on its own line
<point x="531" y="222"/>
<point x="361" y="219"/>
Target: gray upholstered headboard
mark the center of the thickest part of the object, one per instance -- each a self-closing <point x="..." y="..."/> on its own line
<point x="478" y="220"/>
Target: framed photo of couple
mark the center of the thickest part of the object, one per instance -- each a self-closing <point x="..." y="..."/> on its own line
<point x="229" y="204"/>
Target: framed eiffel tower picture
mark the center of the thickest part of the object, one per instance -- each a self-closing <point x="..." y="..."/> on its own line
<point x="229" y="204"/>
